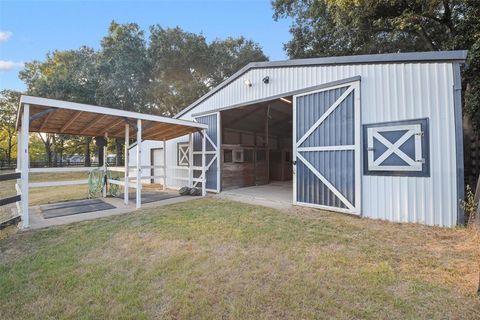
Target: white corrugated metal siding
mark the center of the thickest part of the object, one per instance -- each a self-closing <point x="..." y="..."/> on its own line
<point x="389" y="92"/>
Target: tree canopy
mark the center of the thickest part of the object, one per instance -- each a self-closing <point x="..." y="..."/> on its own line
<point x="348" y="27"/>
<point x="123" y="68"/>
<point x="184" y="66"/>
<point x="8" y="109"/>
<point x="159" y="75"/>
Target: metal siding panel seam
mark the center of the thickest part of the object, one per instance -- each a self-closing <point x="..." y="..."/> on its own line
<point x="457" y="104"/>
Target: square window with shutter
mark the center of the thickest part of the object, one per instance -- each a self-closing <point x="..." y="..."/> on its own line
<point x="398" y="148"/>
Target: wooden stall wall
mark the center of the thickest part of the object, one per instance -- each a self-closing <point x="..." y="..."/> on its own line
<point x="245" y="162"/>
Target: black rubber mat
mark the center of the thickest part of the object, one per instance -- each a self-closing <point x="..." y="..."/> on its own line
<point x="151" y="196"/>
<point x="74" y="207"/>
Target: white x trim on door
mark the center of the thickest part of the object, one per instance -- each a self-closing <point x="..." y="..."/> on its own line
<point x="325" y="116"/>
<point x="394" y="148"/>
<point x="326" y="182"/>
<point x="352" y="208"/>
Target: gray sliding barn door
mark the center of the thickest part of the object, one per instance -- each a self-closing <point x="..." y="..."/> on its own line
<point x="212" y="154"/>
<point x="326" y="147"/>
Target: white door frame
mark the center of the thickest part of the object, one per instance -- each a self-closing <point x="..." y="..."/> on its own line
<point x="354" y="208"/>
<point x="215" y="152"/>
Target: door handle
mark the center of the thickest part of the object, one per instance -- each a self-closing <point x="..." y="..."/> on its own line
<point x="294" y="162"/>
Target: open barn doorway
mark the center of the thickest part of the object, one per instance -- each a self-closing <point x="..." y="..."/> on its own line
<point x="256" y="149"/>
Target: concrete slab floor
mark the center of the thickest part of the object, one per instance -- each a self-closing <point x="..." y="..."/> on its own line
<point x="277" y="194"/>
<point x="37" y="221"/>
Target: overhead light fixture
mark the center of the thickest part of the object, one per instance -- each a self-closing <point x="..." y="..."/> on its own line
<point x="248" y="83"/>
<point x="286" y="100"/>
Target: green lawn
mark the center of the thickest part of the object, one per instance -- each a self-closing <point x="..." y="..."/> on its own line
<point x="207" y="259"/>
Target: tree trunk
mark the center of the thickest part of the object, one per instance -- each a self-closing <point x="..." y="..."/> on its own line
<point x="9" y="150"/>
<point x="119" y="149"/>
<point x="49" y="154"/>
<point x="100" y="156"/>
<point x="60" y="145"/>
<point x="87" y="152"/>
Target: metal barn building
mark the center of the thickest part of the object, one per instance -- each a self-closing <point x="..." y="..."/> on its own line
<point x="379" y="136"/>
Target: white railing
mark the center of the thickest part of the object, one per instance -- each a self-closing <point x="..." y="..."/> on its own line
<point x="120" y="182"/>
<point x="63" y="169"/>
<point x="56" y="183"/>
<point x="46" y="184"/>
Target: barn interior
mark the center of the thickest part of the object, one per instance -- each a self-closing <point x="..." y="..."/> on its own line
<point x="257" y="144"/>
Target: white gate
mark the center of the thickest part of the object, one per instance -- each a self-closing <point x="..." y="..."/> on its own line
<point x="326" y="148"/>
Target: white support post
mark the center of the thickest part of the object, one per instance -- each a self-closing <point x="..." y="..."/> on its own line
<point x="126" y="179"/>
<point x="139" y="165"/>
<point x="19" y="169"/>
<point x="104" y="169"/>
<point x="164" y="165"/>
<point x="19" y="148"/>
<point x="204" y="174"/>
<point x="24" y="163"/>
<point x="190" y="160"/>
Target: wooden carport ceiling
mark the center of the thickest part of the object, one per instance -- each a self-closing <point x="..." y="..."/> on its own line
<point x="85" y="122"/>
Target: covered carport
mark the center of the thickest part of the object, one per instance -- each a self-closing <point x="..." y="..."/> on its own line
<point x="36" y="114"/>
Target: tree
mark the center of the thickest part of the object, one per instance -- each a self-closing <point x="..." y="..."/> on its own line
<point x="184" y="66"/>
<point x="230" y="55"/>
<point x="9" y="101"/>
<point x="66" y="75"/>
<point x="344" y="27"/>
<point x="123" y="68"/>
<point x="180" y="65"/>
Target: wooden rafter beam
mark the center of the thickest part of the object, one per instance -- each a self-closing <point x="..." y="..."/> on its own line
<point x="44" y="123"/>
<point x="181" y="133"/>
<point x="111" y="126"/>
<point x="42" y="114"/>
<point x="72" y="120"/>
<point x="116" y="133"/>
<point x="167" y="132"/>
<point x="155" y="127"/>
<point x="134" y="127"/>
<point x="160" y="134"/>
<point x="94" y="122"/>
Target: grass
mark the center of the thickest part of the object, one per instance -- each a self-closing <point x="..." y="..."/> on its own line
<point x="210" y="259"/>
